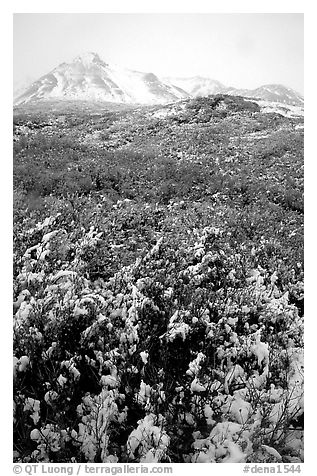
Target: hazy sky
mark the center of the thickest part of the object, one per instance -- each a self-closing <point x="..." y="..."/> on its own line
<point x="240" y="50"/>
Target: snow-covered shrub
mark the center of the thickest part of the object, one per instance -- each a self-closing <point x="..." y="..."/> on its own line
<point x="190" y="353"/>
<point x="149" y="440"/>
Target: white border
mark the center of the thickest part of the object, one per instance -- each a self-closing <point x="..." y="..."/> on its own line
<point x="164" y="6"/>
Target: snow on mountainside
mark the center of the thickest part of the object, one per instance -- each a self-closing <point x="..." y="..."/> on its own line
<point x="89" y="78"/>
<point x="20" y="86"/>
<point x="197" y="85"/>
<point x="286" y="110"/>
<point x="271" y="92"/>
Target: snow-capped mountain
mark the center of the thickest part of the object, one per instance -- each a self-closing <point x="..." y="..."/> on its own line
<point x="271" y="92"/>
<point x="197" y="85"/>
<point x="21" y="85"/>
<point x="200" y="86"/>
<point x="88" y="77"/>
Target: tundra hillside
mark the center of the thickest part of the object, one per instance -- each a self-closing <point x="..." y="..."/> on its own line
<point x="158" y="283"/>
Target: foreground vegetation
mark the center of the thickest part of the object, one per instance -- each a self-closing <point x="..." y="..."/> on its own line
<point x="158" y="284"/>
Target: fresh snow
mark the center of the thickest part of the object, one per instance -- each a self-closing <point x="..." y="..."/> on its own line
<point x="89" y="78"/>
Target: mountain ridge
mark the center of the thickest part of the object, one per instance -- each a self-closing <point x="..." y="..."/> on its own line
<point x="88" y="77"/>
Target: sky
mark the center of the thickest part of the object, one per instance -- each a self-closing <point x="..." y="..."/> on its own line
<point x="240" y="50"/>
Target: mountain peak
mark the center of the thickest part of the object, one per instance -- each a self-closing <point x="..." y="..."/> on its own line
<point x="89" y="78"/>
<point x="88" y="58"/>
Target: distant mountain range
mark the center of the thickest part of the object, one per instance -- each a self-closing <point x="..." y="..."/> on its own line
<point x="89" y="78"/>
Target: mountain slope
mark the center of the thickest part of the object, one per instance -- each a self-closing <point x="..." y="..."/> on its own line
<point x="271" y="92"/>
<point x="197" y="85"/>
<point x="88" y="77"/>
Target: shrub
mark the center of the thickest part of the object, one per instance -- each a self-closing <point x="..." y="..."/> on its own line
<point x="111" y="351"/>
